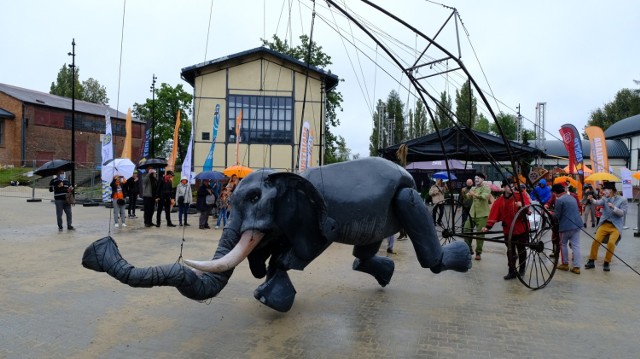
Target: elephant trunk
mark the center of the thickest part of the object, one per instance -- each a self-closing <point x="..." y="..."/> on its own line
<point x="103" y="256"/>
<point x="248" y="241"/>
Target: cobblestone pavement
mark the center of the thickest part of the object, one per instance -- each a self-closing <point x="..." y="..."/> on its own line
<point x="54" y="308"/>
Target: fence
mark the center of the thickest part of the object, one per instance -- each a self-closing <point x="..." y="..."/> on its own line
<point x="19" y="181"/>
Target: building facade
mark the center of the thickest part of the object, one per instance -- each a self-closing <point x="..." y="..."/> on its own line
<point x="35" y="127"/>
<point x="276" y="95"/>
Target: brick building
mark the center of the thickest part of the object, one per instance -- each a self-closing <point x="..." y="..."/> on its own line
<point x="35" y="127"/>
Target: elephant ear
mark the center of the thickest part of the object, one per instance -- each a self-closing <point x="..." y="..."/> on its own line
<point x="301" y="215"/>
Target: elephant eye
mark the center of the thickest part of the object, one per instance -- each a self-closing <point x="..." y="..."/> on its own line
<point x="254" y="197"/>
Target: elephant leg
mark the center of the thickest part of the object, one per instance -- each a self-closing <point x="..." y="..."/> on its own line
<point x="381" y="268"/>
<point x="277" y="292"/>
<point x="103" y="256"/>
<point x="418" y="223"/>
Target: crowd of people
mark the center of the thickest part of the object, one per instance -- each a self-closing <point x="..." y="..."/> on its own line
<point x="158" y="196"/>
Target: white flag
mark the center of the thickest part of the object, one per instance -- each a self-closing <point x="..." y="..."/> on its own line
<point x="186" y="164"/>
<point x="107" y="154"/>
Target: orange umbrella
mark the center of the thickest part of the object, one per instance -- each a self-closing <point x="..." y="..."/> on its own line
<point x="636" y="175"/>
<point x="238" y="170"/>
<point x="573" y="182"/>
<point x="602" y="176"/>
<point x="585" y="169"/>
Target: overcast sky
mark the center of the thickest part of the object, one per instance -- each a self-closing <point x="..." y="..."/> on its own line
<point x="573" y="55"/>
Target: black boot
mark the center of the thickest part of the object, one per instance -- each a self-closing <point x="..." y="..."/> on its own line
<point x="590" y="264"/>
<point x="510" y="275"/>
<point x="606" y="267"/>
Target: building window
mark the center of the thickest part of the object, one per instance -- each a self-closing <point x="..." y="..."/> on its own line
<point x="265" y="119"/>
<point x="1" y="132"/>
<point x="205" y="136"/>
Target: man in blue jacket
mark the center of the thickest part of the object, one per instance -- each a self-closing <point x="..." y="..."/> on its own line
<point x="541" y="193"/>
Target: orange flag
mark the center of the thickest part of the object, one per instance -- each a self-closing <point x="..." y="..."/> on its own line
<point x="126" y="150"/>
<point x="238" y="126"/>
<point x="599" y="158"/>
<point x="174" y="152"/>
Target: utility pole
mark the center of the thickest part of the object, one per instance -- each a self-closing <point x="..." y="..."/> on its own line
<point x="153" y="116"/>
<point x="381" y="115"/>
<point x="519" y="126"/>
<point x="73" y="111"/>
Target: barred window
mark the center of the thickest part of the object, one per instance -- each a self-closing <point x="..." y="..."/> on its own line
<point x="265" y="119"/>
<point x="1" y="132"/>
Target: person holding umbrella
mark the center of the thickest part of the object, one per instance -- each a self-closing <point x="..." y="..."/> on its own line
<point x="149" y="187"/>
<point x="118" y="194"/>
<point x="133" y="190"/>
<point x="60" y="186"/>
<point x="204" y="207"/>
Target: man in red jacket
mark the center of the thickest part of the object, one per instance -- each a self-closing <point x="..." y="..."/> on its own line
<point x="504" y="210"/>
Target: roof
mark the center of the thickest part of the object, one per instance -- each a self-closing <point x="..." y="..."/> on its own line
<point x="460" y="143"/>
<point x="615" y="149"/>
<point x="64" y="103"/>
<point x="6" y="114"/>
<point x="189" y="73"/>
<point x="624" y="128"/>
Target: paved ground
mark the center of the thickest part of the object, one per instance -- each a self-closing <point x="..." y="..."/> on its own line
<point x="54" y="308"/>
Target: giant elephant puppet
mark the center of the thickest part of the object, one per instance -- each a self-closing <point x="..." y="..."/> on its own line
<point x="288" y="220"/>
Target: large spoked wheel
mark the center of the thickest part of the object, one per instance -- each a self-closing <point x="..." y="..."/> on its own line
<point x="451" y="222"/>
<point x="539" y="245"/>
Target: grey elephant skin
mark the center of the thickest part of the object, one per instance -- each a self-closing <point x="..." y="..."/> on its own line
<point x="282" y="221"/>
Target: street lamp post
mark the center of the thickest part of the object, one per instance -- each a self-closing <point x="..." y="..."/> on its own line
<point x="153" y="116"/>
<point x="73" y="111"/>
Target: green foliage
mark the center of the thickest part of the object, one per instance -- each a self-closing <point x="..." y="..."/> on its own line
<point x="443" y="112"/>
<point x="482" y="124"/>
<point x="625" y="104"/>
<point x="164" y="110"/>
<point x="64" y="84"/>
<point x="89" y="90"/>
<point x="310" y="52"/>
<point x="527" y="136"/>
<point x="13" y="174"/>
<point x="395" y="111"/>
<point x="94" y="92"/>
<point x="466" y="105"/>
<point x="508" y="123"/>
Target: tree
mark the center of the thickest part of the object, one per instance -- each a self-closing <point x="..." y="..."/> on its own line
<point x="343" y="153"/>
<point x="420" y="120"/>
<point x="443" y="112"/>
<point x="395" y="112"/>
<point x="168" y="100"/>
<point x="482" y="124"/>
<point x="309" y="52"/>
<point x="466" y="105"/>
<point x="63" y="85"/>
<point x="508" y="123"/>
<point x="625" y="104"/>
<point x="374" y="139"/>
<point x="89" y="90"/>
<point x="94" y="92"/>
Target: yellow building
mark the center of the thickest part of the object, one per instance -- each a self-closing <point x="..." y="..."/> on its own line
<point x="269" y="88"/>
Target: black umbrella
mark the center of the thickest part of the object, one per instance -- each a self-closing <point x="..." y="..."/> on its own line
<point x="53" y="167"/>
<point x="210" y="175"/>
<point x="153" y="162"/>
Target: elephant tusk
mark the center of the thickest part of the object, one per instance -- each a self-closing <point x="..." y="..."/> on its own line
<point x="248" y="241"/>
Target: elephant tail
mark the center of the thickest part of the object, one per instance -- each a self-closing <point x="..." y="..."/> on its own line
<point x="103" y="256"/>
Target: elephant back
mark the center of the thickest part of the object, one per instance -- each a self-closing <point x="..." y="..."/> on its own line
<point x="359" y="196"/>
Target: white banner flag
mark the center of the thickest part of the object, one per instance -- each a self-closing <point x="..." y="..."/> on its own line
<point x="627" y="188"/>
<point x="107" y="154"/>
<point x="186" y="164"/>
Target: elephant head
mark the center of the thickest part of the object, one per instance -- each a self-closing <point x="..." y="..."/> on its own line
<point x="278" y="215"/>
